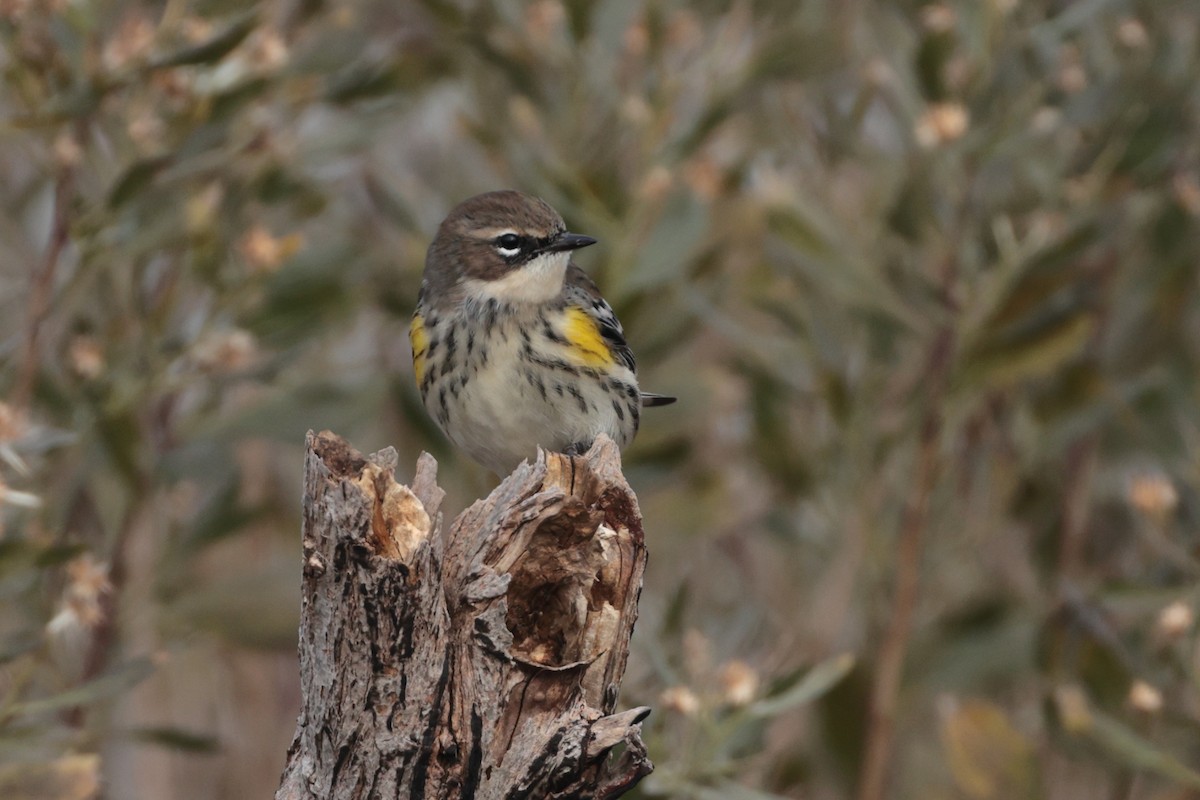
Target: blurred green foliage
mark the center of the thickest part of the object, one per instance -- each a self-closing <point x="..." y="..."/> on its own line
<point x="212" y="226"/>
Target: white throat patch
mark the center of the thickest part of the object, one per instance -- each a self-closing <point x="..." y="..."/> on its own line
<point x="536" y="282"/>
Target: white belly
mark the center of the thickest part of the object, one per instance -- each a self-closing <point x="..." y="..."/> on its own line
<point x="508" y="406"/>
<point x="501" y="418"/>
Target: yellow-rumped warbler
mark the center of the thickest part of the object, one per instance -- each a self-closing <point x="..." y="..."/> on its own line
<point x="513" y="345"/>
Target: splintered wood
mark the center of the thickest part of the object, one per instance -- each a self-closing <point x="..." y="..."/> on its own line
<point x="479" y="662"/>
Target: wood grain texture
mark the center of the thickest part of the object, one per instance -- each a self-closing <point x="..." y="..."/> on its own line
<point x="482" y="661"/>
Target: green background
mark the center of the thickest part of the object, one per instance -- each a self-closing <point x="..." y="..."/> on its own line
<point x="924" y="277"/>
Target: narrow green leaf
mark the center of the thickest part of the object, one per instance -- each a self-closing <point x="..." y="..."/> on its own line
<point x="1138" y="752"/>
<point x="178" y="739"/>
<point x="213" y="49"/>
<point x="674" y="616"/>
<point x="135" y="178"/>
<point x="1036" y="351"/>
<point x="56" y="554"/>
<point x="819" y="680"/>
<point x="109" y="685"/>
<point x="1046" y="273"/>
<point x="362" y="81"/>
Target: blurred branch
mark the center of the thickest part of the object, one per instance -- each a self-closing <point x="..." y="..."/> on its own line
<point x="1081" y="462"/>
<point x="480" y="662"/>
<point x="42" y="287"/>
<point x="104" y="635"/>
<point x="885" y="689"/>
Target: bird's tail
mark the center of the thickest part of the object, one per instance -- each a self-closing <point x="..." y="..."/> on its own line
<point x="650" y="400"/>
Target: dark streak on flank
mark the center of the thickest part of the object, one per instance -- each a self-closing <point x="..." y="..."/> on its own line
<point x="578" y="398"/>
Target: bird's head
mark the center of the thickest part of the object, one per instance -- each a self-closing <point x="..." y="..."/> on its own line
<point x="505" y="245"/>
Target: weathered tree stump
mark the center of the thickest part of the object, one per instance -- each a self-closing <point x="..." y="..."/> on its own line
<point x="482" y="662"/>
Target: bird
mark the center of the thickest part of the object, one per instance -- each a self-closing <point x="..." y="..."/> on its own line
<point x="513" y="345"/>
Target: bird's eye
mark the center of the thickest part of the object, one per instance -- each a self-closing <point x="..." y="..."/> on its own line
<point x="509" y="241"/>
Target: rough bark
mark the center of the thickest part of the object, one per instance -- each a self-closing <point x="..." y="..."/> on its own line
<point x="479" y="662"/>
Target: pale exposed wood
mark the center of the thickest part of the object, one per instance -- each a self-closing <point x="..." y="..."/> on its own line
<point x="483" y="661"/>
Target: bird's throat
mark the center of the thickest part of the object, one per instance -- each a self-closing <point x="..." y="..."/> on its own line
<point x="538" y="281"/>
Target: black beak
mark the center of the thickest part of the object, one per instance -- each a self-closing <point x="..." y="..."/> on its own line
<point x="568" y="241"/>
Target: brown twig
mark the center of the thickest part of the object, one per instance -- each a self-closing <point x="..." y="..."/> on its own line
<point x="885" y="688"/>
<point x="42" y="286"/>
<point x="1081" y="461"/>
<point x="104" y="636"/>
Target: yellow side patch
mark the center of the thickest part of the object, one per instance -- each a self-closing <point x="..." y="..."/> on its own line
<point x="420" y="343"/>
<point x="587" y="348"/>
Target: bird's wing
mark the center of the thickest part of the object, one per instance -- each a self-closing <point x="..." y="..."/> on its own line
<point x="583" y="296"/>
